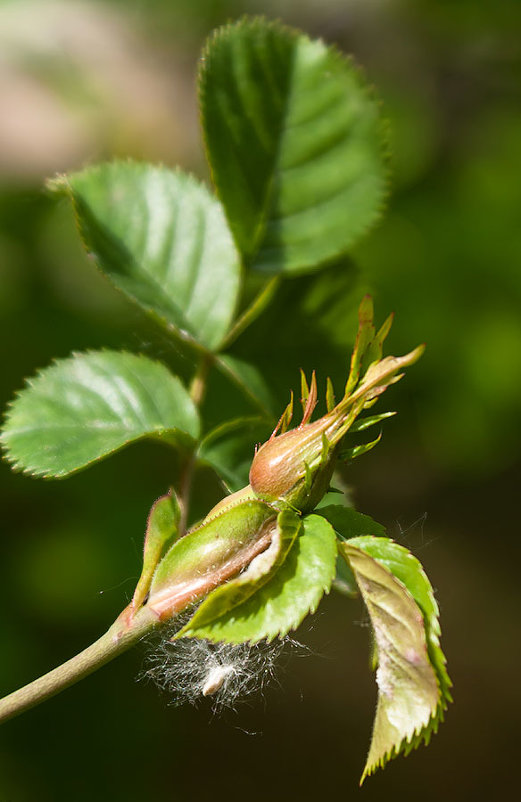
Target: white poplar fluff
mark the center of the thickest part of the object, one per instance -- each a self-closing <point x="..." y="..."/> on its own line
<point x="191" y="669"/>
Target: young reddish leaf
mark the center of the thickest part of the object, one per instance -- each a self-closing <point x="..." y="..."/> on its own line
<point x="413" y="684"/>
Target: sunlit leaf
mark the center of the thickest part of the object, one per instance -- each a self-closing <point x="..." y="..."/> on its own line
<point x="295" y="144"/>
<point x="295" y="590"/>
<point x="413" y="685"/>
<point x="162" y="239"/>
<point x="85" y="407"/>
<point x="162" y="529"/>
<point x="237" y="591"/>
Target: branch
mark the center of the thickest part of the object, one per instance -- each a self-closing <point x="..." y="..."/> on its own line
<point x="123" y="633"/>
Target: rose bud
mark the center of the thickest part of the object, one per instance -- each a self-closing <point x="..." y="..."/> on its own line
<point x="296" y="466"/>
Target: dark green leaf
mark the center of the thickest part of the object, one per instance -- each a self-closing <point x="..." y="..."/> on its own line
<point x="283" y="602"/>
<point x="230" y="448"/>
<point x="294" y="142"/>
<point x="162" y="239"/>
<point x="249" y="380"/>
<point x="85" y="407"/>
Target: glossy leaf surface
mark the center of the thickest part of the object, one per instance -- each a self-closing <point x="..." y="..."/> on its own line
<point x="85" y="407"/>
<point x="294" y="142"/>
<point x="162" y="239"/>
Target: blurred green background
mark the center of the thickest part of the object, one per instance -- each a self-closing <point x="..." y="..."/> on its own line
<point x="83" y="81"/>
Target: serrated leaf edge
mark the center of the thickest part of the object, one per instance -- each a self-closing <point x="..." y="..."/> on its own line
<point x="366" y="87"/>
<point x="29" y="381"/>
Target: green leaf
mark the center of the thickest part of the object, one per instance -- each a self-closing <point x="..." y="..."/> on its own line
<point x="161" y="239"/>
<point x="250" y="382"/>
<point x="85" y="407"/>
<point x="349" y="523"/>
<point x="295" y="590"/>
<point x="229" y="449"/>
<point x="408" y="569"/>
<point x="210" y="554"/>
<point x="162" y="529"/>
<point x="261" y="569"/>
<point x="294" y="142"/>
<point x="412" y="679"/>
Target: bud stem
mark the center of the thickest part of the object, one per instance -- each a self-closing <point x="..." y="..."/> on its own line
<point x="197" y="393"/>
<point x="122" y="634"/>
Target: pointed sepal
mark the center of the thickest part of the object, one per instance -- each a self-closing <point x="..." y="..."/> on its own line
<point x="309" y="397"/>
<point x="162" y="531"/>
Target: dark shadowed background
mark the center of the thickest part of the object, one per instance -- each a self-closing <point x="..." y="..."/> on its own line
<point x="83" y="81"/>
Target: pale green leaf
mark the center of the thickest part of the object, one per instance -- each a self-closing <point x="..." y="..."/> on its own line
<point x="408" y="569"/>
<point x="162" y="529"/>
<point x="85" y="407"/>
<point x="162" y="239"/>
<point x="411" y="676"/>
<point x="295" y="590"/>
<point x="294" y="141"/>
<point x="347" y="454"/>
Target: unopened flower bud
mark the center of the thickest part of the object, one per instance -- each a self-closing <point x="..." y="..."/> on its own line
<point x="296" y="466"/>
